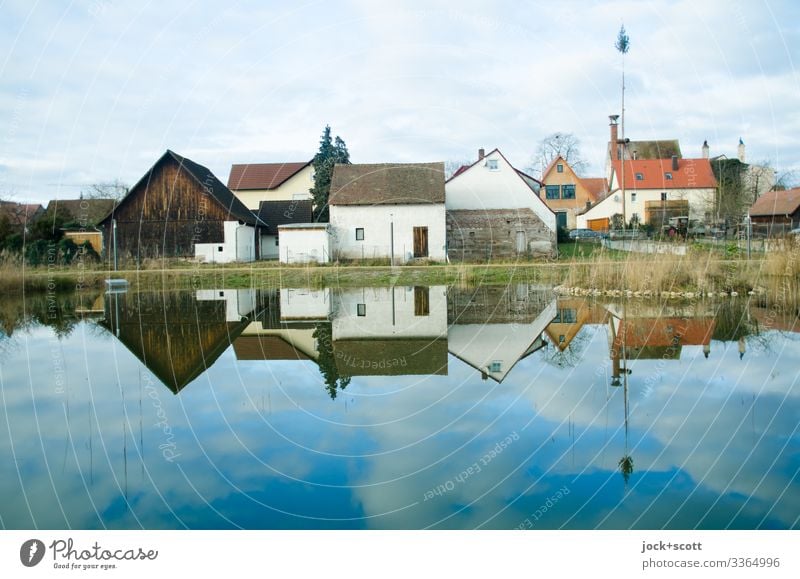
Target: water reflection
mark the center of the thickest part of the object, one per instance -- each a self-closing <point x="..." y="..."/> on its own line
<point x="365" y="407"/>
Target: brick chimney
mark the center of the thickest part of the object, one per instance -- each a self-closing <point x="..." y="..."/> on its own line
<point x="741" y="150"/>
<point x="614" y="137"/>
<point x="481" y="154"/>
<point x="674" y="162"/>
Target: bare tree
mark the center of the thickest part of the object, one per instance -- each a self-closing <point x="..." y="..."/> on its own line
<point x="566" y="145"/>
<point x="450" y="167"/>
<point x="115" y="189"/>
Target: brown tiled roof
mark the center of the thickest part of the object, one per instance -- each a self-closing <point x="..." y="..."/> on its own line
<point x="777" y="203"/>
<point x="262" y="175"/>
<point x="91" y="210"/>
<point x="275" y="213"/>
<point x="266" y="348"/>
<point x="20" y="214"/>
<point x="387" y="184"/>
<point x="691" y="174"/>
<point x="391" y="357"/>
<point x="597" y="187"/>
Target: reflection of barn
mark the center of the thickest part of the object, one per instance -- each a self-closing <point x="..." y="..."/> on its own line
<point x="175" y="335"/>
<point x="491" y="328"/>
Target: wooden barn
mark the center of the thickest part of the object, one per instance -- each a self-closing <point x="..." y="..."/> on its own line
<point x="180" y="209"/>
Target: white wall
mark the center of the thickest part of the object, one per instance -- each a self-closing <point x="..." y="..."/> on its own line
<point x="389" y="313"/>
<point x="376" y="221"/>
<point x="238" y="245"/>
<point x="238" y="303"/>
<point x="304" y="245"/>
<point x="700" y="201"/>
<point x="305" y="304"/>
<point x="481" y="188"/>
<point x="296" y="187"/>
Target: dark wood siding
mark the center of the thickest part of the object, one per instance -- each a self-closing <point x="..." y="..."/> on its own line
<point x="164" y="216"/>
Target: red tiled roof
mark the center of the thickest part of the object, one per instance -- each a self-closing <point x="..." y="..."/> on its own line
<point x="691" y="174"/>
<point x="262" y="175"/>
<point x="777" y="203"/>
<point x="597" y="187"/>
<point x="643" y="332"/>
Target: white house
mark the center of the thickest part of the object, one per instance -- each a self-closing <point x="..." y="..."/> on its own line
<point x="655" y="189"/>
<point x="494" y="211"/>
<point x="257" y="182"/>
<point x="304" y="243"/>
<point x="277" y="213"/>
<point x="388" y="210"/>
<point x="239" y="245"/>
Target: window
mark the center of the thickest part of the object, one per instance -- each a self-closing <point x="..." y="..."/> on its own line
<point x="359" y="234"/>
<point x="496" y="366"/>
<point x="668" y="176"/>
<point x="559" y="168"/>
<point x="568" y="191"/>
<point x="276" y="241"/>
<point x="361" y="310"/>
<point x="222" y="294"/>
<point x="562" y="338"/>
<point x="492" y="164"/>
<point x="663" y="195"/>
<point x="633" y="197"/>
<point x="640" y="176"/>
<point x="552" y="191"/>
<point x="219" y="248"/>
<point x="569" y="315"/>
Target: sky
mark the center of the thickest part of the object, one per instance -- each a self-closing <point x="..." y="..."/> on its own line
<point x="96" y="90"/>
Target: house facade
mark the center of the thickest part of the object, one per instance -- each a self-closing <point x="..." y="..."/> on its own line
<point x="391" y="210"/>
<point x="275" y="214"/>
<point x="566" y="193"/>
<point x="655" y="190"/>
<point x="777" y="208"/>
<point x="256" y="182"/>
<point x="494" y="212"/>
<point x="180" y="209"/>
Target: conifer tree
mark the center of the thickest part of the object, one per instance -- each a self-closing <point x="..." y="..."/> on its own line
<point x="331" y="151"/>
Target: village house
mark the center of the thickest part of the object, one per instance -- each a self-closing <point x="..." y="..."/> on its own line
<point x="20" y="216"/>
<point x="277" y="213"/>
<point x="567" y="194"/>
<point x="257" y="182"/>
<point x="388" y="210"/>
<point x="180" y="209"/>
<point x="494" y="212"/>
<point x="777" y="211"/>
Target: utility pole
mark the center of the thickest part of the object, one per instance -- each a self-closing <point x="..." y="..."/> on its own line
<point x="623" y="44"/>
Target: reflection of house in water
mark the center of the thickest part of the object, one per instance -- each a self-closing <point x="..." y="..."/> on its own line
<point x="571" y="315"/>
<point x="390" y="331"/>
<point x="178" y="335"/>
<point x="491" y="328"/>
<point x="285" y="328"/>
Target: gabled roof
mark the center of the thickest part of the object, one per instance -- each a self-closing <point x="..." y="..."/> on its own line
<point x="777" y="203"/>
<point x="266" y="348"/>
<point x="596" y="187"/>
<point x="263" y="175"/>
<point x="691" y="174"/>
<point x="275" y="213"/>
<point x="207" y="180"/>
<point x="527" y="179"/>
<point x="20" y="214"/>
<point x="387" y="184"/>
<point x="92" y="211"/>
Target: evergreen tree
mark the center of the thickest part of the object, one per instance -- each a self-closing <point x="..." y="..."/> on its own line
<point x="331" y="151"/>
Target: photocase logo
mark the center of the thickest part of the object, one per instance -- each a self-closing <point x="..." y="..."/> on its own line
<point x="32" y="552"/>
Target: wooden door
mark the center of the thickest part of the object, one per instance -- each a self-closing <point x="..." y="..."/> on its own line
<point x="420" y="242"/>
<point x="422" y="301"/>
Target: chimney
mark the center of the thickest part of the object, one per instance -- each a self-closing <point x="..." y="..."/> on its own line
<point x="635" y="154"/>
<point x="481" y="154"/>
<point x="674" y="162"/>
<point x="614" y="135"/>
<point x="705" y="149"/>
<point x="741" y="150"/>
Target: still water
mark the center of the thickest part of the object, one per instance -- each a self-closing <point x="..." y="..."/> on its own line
<point x="406" y="407"/>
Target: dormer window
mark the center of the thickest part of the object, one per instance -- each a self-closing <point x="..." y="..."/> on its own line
<point x="640" y="176"/>
<point x="492" y="165"/>
<point x="668" y="176"/>
<point x="559" y="168"/>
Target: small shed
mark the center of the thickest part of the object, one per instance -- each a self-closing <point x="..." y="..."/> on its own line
<point x="777" y="212"/>
<point x="304" y="243"/>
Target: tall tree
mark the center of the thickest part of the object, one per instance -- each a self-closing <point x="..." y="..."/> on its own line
<point x="566" y="145"/>
<point x="331" y="151"/>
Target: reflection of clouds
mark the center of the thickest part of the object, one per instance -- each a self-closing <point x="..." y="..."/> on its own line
<point x="262" y="445"/>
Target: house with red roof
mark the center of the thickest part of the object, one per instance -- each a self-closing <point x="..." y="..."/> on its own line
<point x="253" y="183"/>
<point x="494" y="211"/>
<point x="567" y="194"/>
<point x="655" y="190"/>
<point x="778" y="207"/>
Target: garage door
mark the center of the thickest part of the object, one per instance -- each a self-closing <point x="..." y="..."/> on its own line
<point x="598" y="224"/>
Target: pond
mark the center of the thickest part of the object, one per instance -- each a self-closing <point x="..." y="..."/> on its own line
<point x="490" y="407"/>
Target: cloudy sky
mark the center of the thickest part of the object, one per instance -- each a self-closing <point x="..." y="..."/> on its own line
<point x="96" y="90"/>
